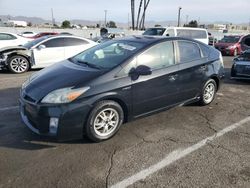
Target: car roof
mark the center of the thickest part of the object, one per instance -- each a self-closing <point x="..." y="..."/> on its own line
<point x="149" y="39"/>
<point x="65" y="36"/>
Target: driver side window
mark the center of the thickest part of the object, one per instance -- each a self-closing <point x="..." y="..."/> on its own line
<point x="157" y="57"/>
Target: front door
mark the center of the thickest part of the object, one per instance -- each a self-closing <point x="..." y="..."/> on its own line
<point x="49" y="52"/>
<point x="158" y="90"/>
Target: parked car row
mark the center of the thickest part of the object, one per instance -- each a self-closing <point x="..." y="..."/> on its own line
<point x="99" y="89"/>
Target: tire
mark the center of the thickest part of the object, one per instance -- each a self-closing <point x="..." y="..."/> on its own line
<point x="100" y="125"/>
<point x="208" y="92"/>
<point x="235" y="52"/>
<point x="18" y="64"/>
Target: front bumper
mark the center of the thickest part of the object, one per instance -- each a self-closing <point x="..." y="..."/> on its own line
<point x="71" y="118"/>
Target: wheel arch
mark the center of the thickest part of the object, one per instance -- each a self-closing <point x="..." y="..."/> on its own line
<point x="217" y="80"/>
<point x="120" y="101"/>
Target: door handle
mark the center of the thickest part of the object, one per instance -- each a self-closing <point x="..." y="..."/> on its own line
<point x="203" y="67"/>
<point x="173" y="77"/>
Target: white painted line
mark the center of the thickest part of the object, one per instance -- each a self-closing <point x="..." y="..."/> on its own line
<point x="9" y="108"/>
<point x="176" y="155"/>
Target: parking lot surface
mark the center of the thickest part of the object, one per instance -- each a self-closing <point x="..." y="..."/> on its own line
<point x="29" y="160"/>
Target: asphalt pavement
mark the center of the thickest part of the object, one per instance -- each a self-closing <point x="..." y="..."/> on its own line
<point x="188" y="146"/>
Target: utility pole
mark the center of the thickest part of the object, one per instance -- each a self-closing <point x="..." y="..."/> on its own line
<point x="53" y="19"/>
<point x="179" y="16"/>
<point x="105" y="18"/>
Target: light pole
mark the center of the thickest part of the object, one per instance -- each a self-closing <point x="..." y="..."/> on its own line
<point x="179" y="16"/>
<point x="105" y="18"/>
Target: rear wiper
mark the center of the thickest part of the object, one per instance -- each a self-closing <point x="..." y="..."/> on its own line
<point x="89" y="64"/>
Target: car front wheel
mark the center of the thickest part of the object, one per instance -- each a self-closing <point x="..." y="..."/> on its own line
<point x="18" y="64"/>
<point x="104" y="120"/>
<point x="208" y="92"/>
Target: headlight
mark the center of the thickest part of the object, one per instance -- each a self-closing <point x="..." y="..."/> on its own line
<point x="64" y="95"/>
<point x="231" y="47"/>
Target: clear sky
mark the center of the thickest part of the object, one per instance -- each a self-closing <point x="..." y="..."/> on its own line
<point x="236" y="11"/>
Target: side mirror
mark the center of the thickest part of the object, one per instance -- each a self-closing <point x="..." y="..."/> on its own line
<point x="40" y="47"/>
<point x="141" y="70"/>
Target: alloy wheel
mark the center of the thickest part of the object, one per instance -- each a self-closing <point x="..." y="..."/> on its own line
<point x="106" y="122"/>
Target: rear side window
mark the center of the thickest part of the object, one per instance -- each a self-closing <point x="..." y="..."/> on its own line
<point x="193" y="34"/>
<point x="74" y="41"/>
<point x="53" y="43"/>
<point x="4" y="36"/>
<point x="205" y="50"/>
<point x="188" y="51"/>
<point x="159" y="56"/>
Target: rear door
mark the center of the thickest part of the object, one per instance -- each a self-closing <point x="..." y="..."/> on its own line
<point x="193" y="66"/>
<point x="53" y="52"/>
<point x="160" y="89"/>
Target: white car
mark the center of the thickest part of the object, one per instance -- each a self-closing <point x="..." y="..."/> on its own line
<point x="28" y="34"/>
<point x="42" y="52"/>
<point x="187" y="32"/>
<point x="11" y="39"/>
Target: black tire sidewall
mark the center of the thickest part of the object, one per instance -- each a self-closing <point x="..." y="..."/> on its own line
<point x="20" y="56"/>
<point x="96" y="110"/>
<point x="203" y="102"/>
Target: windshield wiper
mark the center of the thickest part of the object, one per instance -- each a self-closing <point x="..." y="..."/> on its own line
<point x="89" y="64"/>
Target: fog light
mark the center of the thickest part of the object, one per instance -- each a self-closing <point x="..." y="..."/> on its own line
<point x="53" y="125"/>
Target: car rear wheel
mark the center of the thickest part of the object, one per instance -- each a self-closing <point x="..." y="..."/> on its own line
<point x="208" y="92"/>
<point x="104" y="120"/>
<point x="18" y="64"/>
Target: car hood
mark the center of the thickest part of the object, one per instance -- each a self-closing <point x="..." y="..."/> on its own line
<point x="60" y="75"/>
<point x="11" y="48"/>
<point x="223" y="44"/>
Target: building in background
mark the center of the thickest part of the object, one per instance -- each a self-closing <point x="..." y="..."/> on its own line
<point x="16" y="23"/>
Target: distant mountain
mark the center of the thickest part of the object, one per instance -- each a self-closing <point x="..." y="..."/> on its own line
<point x="34" y="20"/>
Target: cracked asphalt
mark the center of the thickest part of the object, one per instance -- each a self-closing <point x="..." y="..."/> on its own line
<point x="29" y="160"/>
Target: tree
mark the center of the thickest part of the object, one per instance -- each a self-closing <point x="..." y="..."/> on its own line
<point x="111" y="24"/>
<point x="29" y="24"/>
<point x="192" y="23"/>
<point x="66" y="24"/>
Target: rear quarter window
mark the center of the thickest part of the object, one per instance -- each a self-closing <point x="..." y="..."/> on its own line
<point x="204" y="50"/>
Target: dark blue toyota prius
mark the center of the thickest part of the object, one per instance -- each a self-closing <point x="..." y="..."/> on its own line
<point x="96" y="91"/>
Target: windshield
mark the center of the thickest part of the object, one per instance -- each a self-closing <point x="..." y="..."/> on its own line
<point x="230" y="39"/>
<point x="107" y="55"/>
<point x="34" y="42"/>
<point x="245" y="56"/>
<point x="154" y="31"/>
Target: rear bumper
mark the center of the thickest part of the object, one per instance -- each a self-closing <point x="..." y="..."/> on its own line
<point x="71" y="119"/>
